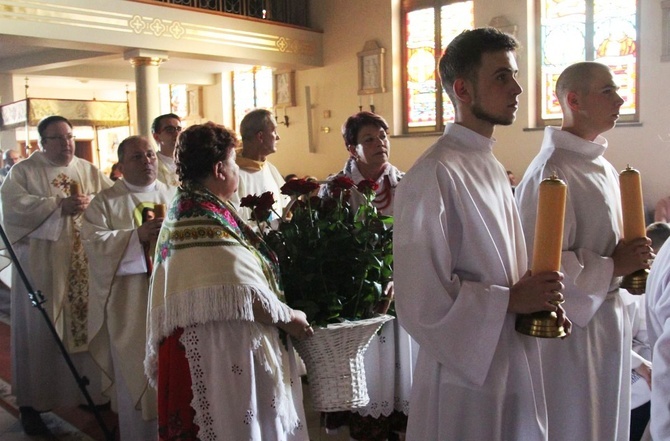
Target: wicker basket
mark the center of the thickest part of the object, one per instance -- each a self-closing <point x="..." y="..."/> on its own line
<point x="335" y="367"/>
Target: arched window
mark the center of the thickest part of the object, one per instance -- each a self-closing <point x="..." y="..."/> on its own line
<point x="604" y="31"/>
<point x="428" y="27"/>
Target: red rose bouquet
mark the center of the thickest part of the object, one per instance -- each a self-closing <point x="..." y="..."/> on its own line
<point x="335" y="252"/>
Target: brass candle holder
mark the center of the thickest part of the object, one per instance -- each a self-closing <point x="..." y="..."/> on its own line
<point x="542" y="324"/>
<point x="636" y="282"/>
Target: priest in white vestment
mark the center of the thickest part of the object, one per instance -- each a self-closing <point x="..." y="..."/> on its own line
<point x="119" y="240"/>
<point x="42" y="219"/>
<point x="460" y="262"/>
<point x="9" y="158"/>
<point x="258" y="130"/>
<point x="165" y="130"/>
<point x="588" y="376"/>
<point x="658" y="331"/>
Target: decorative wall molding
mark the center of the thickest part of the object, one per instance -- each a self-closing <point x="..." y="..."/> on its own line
<point x="208" y="30"/>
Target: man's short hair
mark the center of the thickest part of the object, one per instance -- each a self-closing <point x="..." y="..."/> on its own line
<point x="463" y="56"/>
<point x="658" y="232"/>
<point x="46" y="122"/>
<point x="121" y="151"/>
<point x="255" y="121"/>
<point x="158" y="121"/>
<point x="5" y="154"/>
<point x="576" y="78"/>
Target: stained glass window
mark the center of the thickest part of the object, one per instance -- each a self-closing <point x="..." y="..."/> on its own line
<point x="588" y="30"/>
<point x="251" y="89"/>
<point x="426" y="37"/>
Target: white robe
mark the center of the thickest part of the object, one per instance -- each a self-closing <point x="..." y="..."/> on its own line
<point x="119" y="290"/>
<point x="587" y="376"/>
<point x="167" y="170"/>
<point x="258" y="182"/>
<point x="658" y="329"/>
<point x="43" y="239"/>
<point x="458" y="247"/>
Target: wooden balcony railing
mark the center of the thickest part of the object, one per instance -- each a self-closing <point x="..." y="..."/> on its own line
<point x="293" y="12"/>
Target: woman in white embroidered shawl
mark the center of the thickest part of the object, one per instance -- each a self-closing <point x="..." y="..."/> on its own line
<point x="214" y="350"/>
<point x="390" y="358"/>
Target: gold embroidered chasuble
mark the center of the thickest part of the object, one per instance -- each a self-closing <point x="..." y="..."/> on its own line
<point x="56" y="263"/>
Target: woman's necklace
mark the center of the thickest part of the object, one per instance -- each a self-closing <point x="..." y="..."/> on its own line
<point x="383" y="198"/>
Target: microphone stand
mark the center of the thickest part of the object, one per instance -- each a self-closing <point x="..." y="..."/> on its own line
<point x="37" y="299"/>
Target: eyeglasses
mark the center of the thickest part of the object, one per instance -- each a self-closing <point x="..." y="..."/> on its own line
<point x="66" y="138"/>
<point x="171" y="129"/>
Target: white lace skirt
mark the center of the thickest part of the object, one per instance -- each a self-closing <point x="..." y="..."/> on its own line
<point x="234" y="396"/>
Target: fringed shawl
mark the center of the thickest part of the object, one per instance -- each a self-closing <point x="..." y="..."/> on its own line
<point x="209" y="266"/>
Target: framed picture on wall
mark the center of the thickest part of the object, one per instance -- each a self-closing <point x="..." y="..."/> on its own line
<point x="371" y="69"/>
<point x="284" y="89"/>
<point x="178" y="100"/>
<point x="194" y="102"/>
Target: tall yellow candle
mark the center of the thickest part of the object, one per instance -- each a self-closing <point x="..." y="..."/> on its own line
<point x="632" y="206"/>
<point x="159" y="210"/>
<point x="74" y="188"/>
<point x="549" y="225"/>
